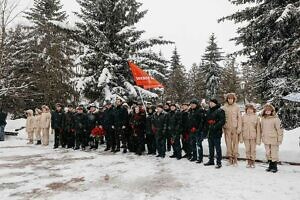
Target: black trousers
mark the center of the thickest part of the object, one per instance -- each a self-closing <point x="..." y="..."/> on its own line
<point x="70" y="136"/>
<point x="80" y="138"/>
<point x="151" y="144"/>
<point x="161" y="145"/>
<point x="176" y="146"/>
<point x="59" y="138"/>
<point x="115" y="138"/>
<point x="215" y="144"/>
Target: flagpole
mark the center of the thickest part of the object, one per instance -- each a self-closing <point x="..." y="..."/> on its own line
<point x="142" y="101"/>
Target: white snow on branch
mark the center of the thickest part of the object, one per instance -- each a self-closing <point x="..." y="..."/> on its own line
<point x="153" y="72"/>
<point x="64" y="25"/>
<point x="293" y="97"/>
<point x="286" y="13"/>
<point x="146" y="93"/>
<point x="131" y="89"/>
<point x="105" y="77"/>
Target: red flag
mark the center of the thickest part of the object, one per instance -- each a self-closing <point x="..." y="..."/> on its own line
<point x="143" y="79"/>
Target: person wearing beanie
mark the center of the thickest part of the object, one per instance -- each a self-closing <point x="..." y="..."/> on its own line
<point x="150" y="137"/>
<point x="80" y="127"/>
<point x="159" y="128"/>
<point x="174" y="130"/>
<point x="107" y="124"/>
<point x="196" y="119"/>
<point x="57" y="124"/>
<point x="119" y="126"/>
<point x="251" y="133"/>
<point x="69" y="130"/>
<point x="272" y="136"/>
<point x="214" y="123"/>
<point x="232" y="128"/>
<point x="185" y="130"/>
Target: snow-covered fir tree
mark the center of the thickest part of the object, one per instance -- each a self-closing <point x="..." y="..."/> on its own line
<point x="230" y="81"/>
<point x="50" y="52"/>
<point x="196" y="82"/>
<point x="269" y="33"/>
<point x="211" y="68"/>
<point x="15" y="74"/>
<point x="249" y="76"/>
<point x="110" y="39"/>
<point x="177" y="85"/>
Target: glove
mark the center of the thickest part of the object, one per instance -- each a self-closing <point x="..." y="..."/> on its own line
<point x="193" y="130"/>
<point x="123" y="127"/>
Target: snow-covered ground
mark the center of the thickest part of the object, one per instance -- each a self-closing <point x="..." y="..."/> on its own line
<point x="36" y="172"/>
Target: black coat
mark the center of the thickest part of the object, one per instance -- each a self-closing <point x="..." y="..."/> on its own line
<point x="137" y="123"/>
<point x="196" y="119"/>
<point x="159" y="124"/>
<point x="92" y="120"/>
<point x="184" y="121"/>
<point x="108" y="119"/>
<point x="120" y="117"/>
<point x="80" y="121"/>
<point x="149" y="124"/>
<point x="57" y="119"/>
<point x="69" y="121"/>
<point x="214" y="123"/>
<point x="174" y="123"/>
<point x="3" y="116"/>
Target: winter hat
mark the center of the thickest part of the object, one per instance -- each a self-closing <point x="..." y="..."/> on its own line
<point x="230" y="96"/>
<point x="173" y="104"/>
<point x="79" y="108"/>
<point x="215" y="101"/>
<point x="125" y="105"/>
<point x="194" y="101"/>
<point x="269" y="106"/>
<point x="160" y="106"/>
<point x="251" y="106"/>
<point x="91" y="105"/>
<point x="185" y="104"/>
<point x="58" y="105"/>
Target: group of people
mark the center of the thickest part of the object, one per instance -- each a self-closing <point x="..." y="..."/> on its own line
<point x="156" y="129"/>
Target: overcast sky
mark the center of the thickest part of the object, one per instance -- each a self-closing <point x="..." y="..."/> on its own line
<point x="188" y="23"/>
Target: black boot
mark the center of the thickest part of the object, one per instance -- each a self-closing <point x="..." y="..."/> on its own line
<point x="173" y="156"/>
<point x="209" y="163"/>
<point x="270" y="166"/>
<point x="38" y="142"/>
<point x="274" y="167"/>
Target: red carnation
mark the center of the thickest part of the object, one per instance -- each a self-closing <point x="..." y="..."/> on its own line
<point x="98" y="132"/>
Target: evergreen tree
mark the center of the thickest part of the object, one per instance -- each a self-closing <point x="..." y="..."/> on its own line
<point x="230" y="82"/>
<point x="249" y="76"/>
<point x="110" y="37"/>
<point x="50" y="52"/>
<point x="196" y="82"/>
<point x="212" y="68"/>
<point x="177" y="85"/>
<point x="270" y="38"/>
<point x="16" y="74"/>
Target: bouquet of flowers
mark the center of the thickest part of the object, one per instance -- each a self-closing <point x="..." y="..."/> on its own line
<point x="97" y="132"/>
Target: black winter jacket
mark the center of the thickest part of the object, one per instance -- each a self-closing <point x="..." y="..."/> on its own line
<point x="214" y="123"/>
